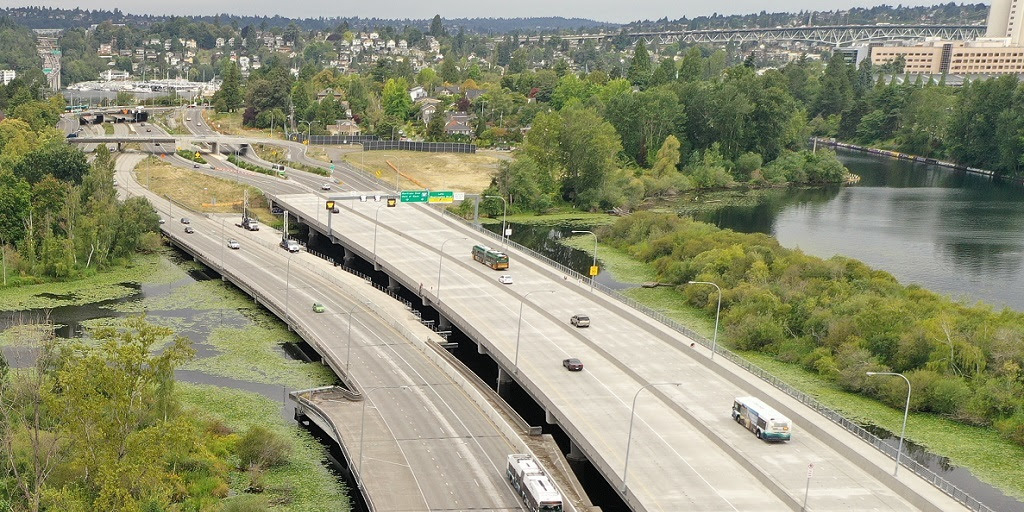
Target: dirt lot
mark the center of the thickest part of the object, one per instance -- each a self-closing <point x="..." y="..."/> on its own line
<point x="198" y="191"/>
<point x="469" y="173"/>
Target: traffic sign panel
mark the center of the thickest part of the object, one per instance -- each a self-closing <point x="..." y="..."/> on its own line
<point x="415" y="196"/>
<point x="441" y="196"/>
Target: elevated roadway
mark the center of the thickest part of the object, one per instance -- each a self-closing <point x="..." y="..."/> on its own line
<point x="429" y="444"/>
<point x="686" y="453"/>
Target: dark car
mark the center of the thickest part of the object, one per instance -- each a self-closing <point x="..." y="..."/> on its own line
<point x="188" y="229"/>
<point x="184" y="220"/>
<point x="572" y="364"/>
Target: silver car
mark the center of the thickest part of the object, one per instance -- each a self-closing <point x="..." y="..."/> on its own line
<point x="233" y="244"/>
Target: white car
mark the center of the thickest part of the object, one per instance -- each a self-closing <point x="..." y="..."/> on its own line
<point x="505" y="279"/>
<point x="325" y="186"/>
<point x="233" y="244"/>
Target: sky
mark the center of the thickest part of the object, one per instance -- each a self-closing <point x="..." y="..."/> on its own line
<point x="599" y="10"/>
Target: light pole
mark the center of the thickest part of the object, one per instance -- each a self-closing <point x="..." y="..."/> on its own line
<point x="632" y="413"/>
<point x="375" y="213"/>
<point x="594" y="276"/>
<point x="504" y="214"/>
<point x="714" y="340"/>
<point x="348" y="345"/>
<point x="309" y="131"/>
<point x="440" y="261"/>
<point x="906" y="409"/>
<point x="287" y="277"/>
<point x="519" y="328"/>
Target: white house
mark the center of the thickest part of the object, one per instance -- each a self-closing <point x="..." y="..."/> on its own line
<point x="417" y="93"/>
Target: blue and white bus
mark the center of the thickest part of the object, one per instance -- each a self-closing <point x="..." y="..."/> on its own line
<point x="766" y="423"/>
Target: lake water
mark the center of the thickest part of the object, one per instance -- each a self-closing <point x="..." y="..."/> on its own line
<point x="952" y="233"/>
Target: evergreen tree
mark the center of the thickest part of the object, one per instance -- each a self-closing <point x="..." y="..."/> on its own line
<point x="639" y="73"/>
<point x="230" y="93"/>
<point x="436" y="27"/>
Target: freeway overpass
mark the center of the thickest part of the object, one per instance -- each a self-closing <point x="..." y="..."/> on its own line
<point x="686" y="453"/>
<point x="433" y="442"/>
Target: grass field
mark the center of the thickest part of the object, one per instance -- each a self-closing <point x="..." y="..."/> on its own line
<point x="199" y="191"/>
<point x="230" y="123"/>
<point x="470" y="173"/>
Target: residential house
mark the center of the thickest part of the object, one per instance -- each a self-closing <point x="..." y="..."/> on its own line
<point x="106" y="50"/>
<point x="457" y="127"/>
<point x="6" y="75"/>
<point x="428" y="106"/>
<point x="447" y="90"/>
<point x="473" y="94"/>
<point x="322" y="95"/>
<point x="344" y="127"/>
<point x="114" y="74"/>
<point x="417" y="93"/>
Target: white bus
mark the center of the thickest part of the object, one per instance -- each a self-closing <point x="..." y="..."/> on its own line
<point x="538" y="492"/>
<point x="766" y="423"/>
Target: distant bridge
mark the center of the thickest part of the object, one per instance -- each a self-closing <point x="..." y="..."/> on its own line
<point x="832" y="35"/>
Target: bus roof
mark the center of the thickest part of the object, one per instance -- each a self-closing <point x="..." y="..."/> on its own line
<point x="543" y="489"/>
<point x="762" y="409"/>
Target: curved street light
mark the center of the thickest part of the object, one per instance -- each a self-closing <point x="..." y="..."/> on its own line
<point x="440" y="260"/>
<point x="519" y="327"/>
<point x="375" y="224"/>
<point x="906" y="410"/>
<point x="632" y="413"/>
<point x="714" y="340"/>
<point x="504" y="215"/>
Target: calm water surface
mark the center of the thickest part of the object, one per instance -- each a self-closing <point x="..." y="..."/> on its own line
<point x="952" y="233"/>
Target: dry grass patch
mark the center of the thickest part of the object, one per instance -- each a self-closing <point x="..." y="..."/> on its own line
<point x="458" y="171"/>
<point x="197" y="191"/>
<point x="230" y="123"/>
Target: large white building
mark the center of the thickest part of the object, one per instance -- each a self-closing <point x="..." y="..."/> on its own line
<point x="6" y="75"/>
<point x="1006" y="19"/>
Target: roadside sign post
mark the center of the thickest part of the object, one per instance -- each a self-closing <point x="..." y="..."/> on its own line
<point x="810" y="472"/>
<point x="414" y="196"/>
<point x="441" y="197"/>
<point x="330" y="215"/>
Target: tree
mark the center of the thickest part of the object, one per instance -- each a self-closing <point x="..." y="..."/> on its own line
<point x="15" y="200"/>
<point x="436" y="27"/>
<point x="690" y="67"/>
<point x="230" y="92"/>
<point x="836" y="89"/>
<point x="668" y="157"/>
<point x="435" y="128"/>
<point x="588" y="146"/>
<point x="639" y="73"/>
<point x="395" y="99"/>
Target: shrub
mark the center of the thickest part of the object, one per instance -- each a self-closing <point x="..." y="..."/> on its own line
<point x="262" y="447"/>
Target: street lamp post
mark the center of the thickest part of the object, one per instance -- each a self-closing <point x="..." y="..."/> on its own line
<point x="906" y="410"/>
<point x="519" y="327"/>
<point x="440" y="261"/>
<point x="375" y="214"/>
<point x="348" y="344"/>
<point x="595" y="255"/>
<point x="632" y="413"/>
<point x="287" y="277"/>
<point x="504" y="214"/>
<point x="714" y="340"/>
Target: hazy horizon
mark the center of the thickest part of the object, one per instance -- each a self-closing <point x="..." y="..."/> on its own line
<point x="612" y="12"/>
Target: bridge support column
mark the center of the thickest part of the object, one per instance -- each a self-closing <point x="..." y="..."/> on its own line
<point x="549" y="418"/>
<point x="443" y="323"/>
<point x="118" y="146"/>
<point x="393" y="284"/>
<point x="504" y="379"/>
<point x="348" y="256"/>
<point x="311" y="237"/>
<point x="575" y="453"/>
<point x="213" y="148"/>
<point x="476" y="210"/>
<point x="481" y="349"/>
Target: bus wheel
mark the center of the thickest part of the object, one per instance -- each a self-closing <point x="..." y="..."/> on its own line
<point x="758" y="433"/>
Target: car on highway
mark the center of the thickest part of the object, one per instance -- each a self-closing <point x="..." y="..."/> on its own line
<point x="336" y="210"/>
<point x="188" y="118"/>
<point x="291" y="245"/>
<point x="148" y="130"/>
<point x="189" y="230"/>
<point x="318" y="308"/>
<point x="195" y="166"/>
<point x="573" y="364"/>
<point x="161" y="221"/>
<point x="325" y="186"/>
<point x="233" y="244"/>
<point x="184" y="220"/>
<point x="580" y="320"/>
<point x="505" y="279"/>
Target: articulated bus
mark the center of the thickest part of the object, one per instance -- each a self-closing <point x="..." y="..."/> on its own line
<point x="533" y="485"/>
<point x="497" y="260"/>
<point x="766" y="423"/>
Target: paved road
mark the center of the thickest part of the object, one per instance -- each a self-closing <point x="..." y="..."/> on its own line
<point x="686" y="452"/>
<point x="421" y="427"/>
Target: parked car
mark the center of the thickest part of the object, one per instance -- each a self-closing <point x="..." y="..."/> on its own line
<point x="318" y="308"/>
<point x="233" y="244"/>
<point x="505" y="279"/>
<point x="573" y="364"/>
<point x="189" y="230"/>
<point x="580" y="320"/>
<point x="184" y="220"/>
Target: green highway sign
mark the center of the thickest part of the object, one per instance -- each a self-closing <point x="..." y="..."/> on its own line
<point x="442" y="196"/>
<point x="415" y="196"/>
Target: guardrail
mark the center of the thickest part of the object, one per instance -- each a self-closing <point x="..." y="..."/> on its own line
<point x="927" y="474"/>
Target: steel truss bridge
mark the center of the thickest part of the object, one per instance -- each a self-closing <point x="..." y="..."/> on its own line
<point x="832" y="35"/>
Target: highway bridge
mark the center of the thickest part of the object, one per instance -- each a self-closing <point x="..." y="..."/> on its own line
<point x="644" y="390"/>
<point x="832" y="35"/>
